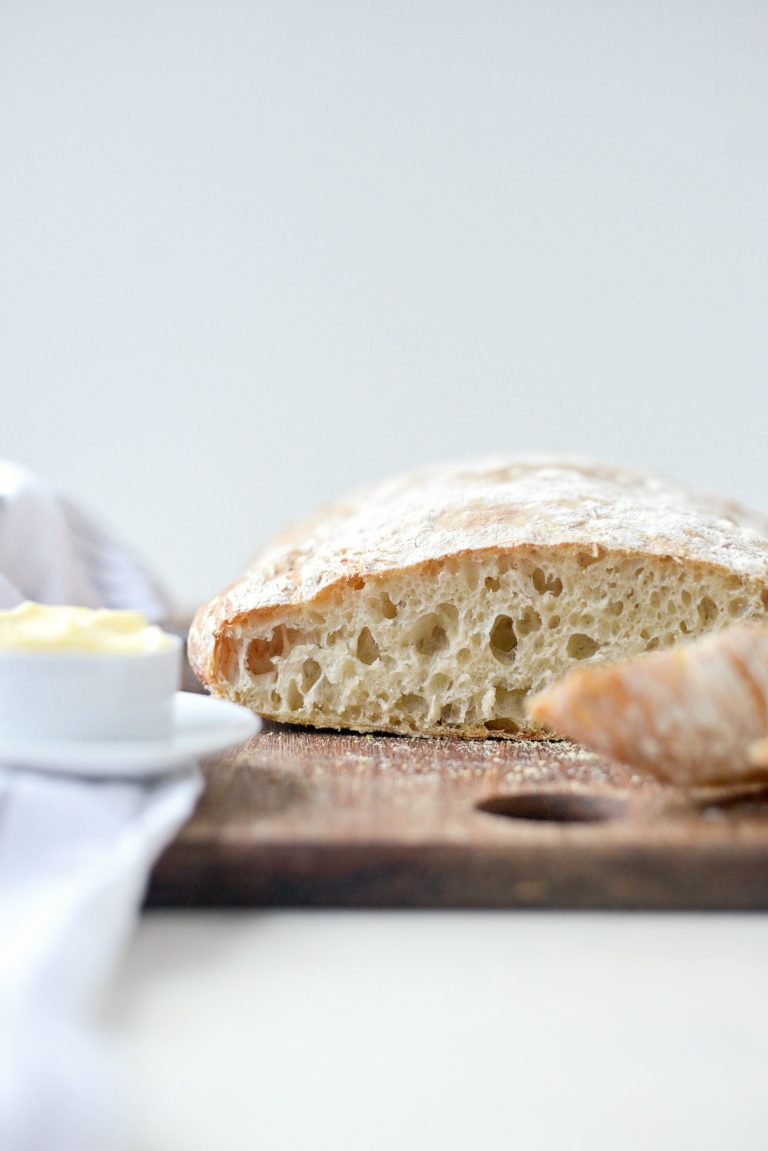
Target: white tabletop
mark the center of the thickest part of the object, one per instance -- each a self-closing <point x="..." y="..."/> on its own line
<point x="358" y="1031"/>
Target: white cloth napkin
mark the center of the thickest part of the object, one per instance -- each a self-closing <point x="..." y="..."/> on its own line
<point x="52" y="552"/>
<point x="75" y="854"/>
<point x="74" y="859"/>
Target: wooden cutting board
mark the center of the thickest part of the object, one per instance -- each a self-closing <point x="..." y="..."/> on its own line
<point x="303" y="818"/>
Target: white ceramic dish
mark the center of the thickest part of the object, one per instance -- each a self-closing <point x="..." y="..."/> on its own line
<point x="200" y="726"/>
<point x="75" y="695"/>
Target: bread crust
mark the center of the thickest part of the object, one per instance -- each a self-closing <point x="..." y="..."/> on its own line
<point x="416" y="522"/>
<point x="690" y="716"/>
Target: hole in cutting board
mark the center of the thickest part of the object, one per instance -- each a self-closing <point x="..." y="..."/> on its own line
<point x="555" y="807"/>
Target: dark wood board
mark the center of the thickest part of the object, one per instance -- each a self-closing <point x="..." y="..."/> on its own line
<point x="302" y="818"/>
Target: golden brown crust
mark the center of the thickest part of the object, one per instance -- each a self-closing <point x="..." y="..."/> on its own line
<point x="441" y="732"/>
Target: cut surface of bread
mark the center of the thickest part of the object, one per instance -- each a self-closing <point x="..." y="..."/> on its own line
<point x="437" y="603"/>
<point x="693" y="716"/>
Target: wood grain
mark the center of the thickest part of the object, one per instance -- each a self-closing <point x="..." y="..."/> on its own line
<point x="300" y="818"/>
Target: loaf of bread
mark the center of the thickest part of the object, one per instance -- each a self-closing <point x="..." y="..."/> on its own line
<point x="692" y="716"/>
<point x="437" y="603"/>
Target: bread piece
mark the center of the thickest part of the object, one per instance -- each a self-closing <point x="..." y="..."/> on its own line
<point x="436" y="603"/>
<point x="758" y="753"/>
<point x="688" y="716"/>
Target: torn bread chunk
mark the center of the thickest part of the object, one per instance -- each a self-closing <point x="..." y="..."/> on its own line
<point x="692" y="716"/>
<point x="437" y="603"/>
<point x="758" y="753"/>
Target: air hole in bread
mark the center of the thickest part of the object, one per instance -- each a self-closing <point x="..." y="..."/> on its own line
<point x="412" y="705"/>
<point x="367" y="648"/>
<point x="310" y="674"/>
<point x="529" y="621"/>
<point x="652" y="644"/>
<point x="707" y="609"/>
<point x="228" y="659"/>
<point x="509" y="704"/>
<point x="387" y="607"/>
<point x="581" y="646"/>
<point x="491" y="583"/>
<point x="546" y="583"/>
<point x="503" y="639"/>
<point x="261" y="653"/>
<point x="430" y="637"/>
<point x="507" y="725"/>
<point x="294" y="697"/>
<point x="449" y="613"/>
<point x="586" y="559"/>
<point x="615" y="607"/>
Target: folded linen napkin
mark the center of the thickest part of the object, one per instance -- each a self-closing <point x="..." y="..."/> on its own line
<point x="75" y="853"/>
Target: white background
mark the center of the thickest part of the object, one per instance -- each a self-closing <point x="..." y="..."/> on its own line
<point x="253" y="253"/>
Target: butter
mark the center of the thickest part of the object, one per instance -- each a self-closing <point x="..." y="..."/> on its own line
<point x="39" y="627"/>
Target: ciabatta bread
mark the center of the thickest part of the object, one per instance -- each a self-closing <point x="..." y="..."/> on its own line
<point x="436" y="604"/>
<point x="690" y="716"/>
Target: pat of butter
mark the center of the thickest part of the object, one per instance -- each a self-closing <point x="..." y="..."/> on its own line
<point x="39" y="627"/>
